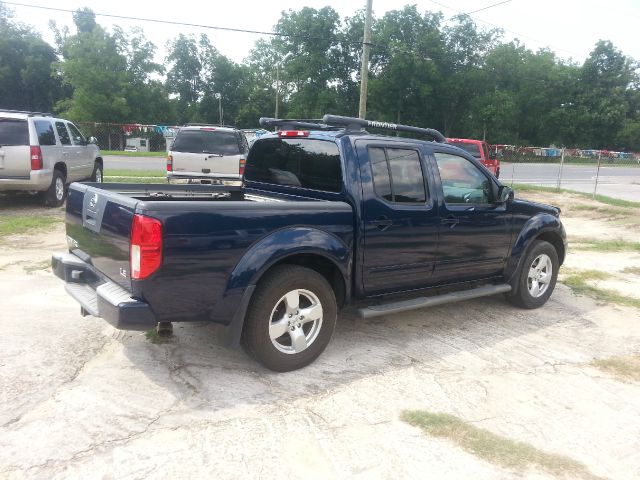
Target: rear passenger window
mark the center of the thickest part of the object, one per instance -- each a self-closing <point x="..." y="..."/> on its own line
<point x="63" y="133"/>
<point x="13" y="132"/>
<point x="397" y="175"/>
<point x="306" y="163"/>
<point x="45" y="132"/>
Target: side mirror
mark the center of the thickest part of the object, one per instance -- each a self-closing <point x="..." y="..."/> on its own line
<point x="493" y="155"/>
<point x="92" y="140"/>
<point x="505" y="194"/>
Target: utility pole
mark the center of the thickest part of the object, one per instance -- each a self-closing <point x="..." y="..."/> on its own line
<point x="364" y="72"/>
<point x="219" y="97"/>
<point x="277" y="86"/>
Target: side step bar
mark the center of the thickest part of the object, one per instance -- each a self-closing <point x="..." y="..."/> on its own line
<point x="414" y="303"/>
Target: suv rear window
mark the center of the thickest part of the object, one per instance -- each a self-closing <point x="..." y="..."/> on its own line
<point x="205" y="141"/>
<point x="472" y="148"/>
<point x="305" y="163"/>
<point x="13" y="132"/>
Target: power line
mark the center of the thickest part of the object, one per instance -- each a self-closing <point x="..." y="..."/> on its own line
<point x="489" y="6"/>
<point x="169" y="22"/>
<point x="459" y="12"/>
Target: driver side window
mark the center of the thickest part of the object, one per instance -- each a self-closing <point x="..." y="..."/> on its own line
<point x="462" y="182"/>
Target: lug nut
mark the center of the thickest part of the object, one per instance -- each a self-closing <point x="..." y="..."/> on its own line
<point x="293" y="328"/>
<point x="298" y="325"/>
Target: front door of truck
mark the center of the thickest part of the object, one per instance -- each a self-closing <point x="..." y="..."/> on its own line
<point x="475" y="232"/>
<point x="399" y="217"/>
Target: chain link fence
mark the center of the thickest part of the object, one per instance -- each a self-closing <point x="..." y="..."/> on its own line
<point x="115" y="137"/>
<point x="615" y="174"/>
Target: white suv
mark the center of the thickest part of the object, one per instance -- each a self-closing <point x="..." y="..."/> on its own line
<point x="41" y="153"/>
<point x="207" y="154"/>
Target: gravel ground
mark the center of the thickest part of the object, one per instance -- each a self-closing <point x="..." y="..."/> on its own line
<point x="79" y="399"/>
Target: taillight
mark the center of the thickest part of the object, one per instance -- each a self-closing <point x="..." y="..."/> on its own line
<point x="36" y="158"/>
<point x="293" y="133"/>
<point x="146" y="246"/>
<point x="169" y="163"/>
<point x="243" y="162"/>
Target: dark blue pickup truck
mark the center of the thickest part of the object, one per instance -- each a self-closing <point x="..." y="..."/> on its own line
<point x="329" y="216"/>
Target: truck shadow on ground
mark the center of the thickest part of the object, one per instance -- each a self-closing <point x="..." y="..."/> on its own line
<point x="200" y="372"/>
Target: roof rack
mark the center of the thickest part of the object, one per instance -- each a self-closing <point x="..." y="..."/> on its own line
<point x="31" y="114"/>
<point x="207" y="125"/>
<point x="351" y="123"/>
<point x="337" y="122"/>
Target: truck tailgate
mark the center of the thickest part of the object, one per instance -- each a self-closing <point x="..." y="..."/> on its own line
<point x="99" y="230"/>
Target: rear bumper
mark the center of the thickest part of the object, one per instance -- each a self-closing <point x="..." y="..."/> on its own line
<point x="183" y="178"/>
<point x="100" y="298"/>
<point x="37" y="180"/>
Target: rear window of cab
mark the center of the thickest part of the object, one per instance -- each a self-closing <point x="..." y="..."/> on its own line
<point x="297" y="162"/>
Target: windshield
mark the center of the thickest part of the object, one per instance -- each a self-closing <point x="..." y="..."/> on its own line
<point x="13" y="132"/>
<point x="472" y="148"/>
<point x="204" y="141"/>
<point x="305" y="163"/>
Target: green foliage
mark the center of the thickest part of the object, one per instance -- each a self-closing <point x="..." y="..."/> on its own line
<point x="453" y="76"/>
<point x="26" y="81"/>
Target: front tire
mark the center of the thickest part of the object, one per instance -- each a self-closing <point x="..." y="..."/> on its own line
<point x="291" y="318"/>
<point x="537" y="276"/>
<point x="57" y="192"/>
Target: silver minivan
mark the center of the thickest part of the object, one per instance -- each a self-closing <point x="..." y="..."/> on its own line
<point x="207" y="154"/>
<point x="41" y="153"/>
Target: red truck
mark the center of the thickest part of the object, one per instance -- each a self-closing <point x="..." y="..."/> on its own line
<point x="480" y="150"/>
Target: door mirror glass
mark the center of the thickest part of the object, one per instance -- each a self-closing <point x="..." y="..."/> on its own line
<point x="93" y="140"/>
<point x="505" y="194"/>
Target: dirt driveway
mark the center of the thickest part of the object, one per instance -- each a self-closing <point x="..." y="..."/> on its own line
<point x="79" y="399"/>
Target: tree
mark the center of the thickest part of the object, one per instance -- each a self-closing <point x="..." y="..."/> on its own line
<point x="26" y="74"/>
<point x="604" y="80"/>
<point x="96" y="71"/>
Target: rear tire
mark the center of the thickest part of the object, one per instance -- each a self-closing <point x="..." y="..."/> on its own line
<point x="57" y="192"/>
<point x="537" y="276"/>
<point x="291" y="318"/>
<point x="98" y="173"/>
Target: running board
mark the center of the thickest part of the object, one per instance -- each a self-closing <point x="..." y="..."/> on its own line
<point x="421" y="302"/>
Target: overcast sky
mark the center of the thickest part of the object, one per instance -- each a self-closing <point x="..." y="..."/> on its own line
<point x="569" y="27"/>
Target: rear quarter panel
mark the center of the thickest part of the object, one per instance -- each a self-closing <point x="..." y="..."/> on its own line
<point x="213" y="251"/>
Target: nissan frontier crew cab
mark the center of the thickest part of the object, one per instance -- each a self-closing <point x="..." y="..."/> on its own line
<point x="329" y="216"/>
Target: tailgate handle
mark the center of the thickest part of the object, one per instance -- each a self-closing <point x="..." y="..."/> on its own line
<point x="93" y="207"/>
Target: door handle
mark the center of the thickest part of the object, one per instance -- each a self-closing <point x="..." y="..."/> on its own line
<point x="381" y="223"/>
<point x="450" y="220"/>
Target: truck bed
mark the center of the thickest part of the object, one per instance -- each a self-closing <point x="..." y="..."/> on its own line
<point x="210" y="233"/>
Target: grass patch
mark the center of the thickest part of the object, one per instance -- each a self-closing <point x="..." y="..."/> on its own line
<point x="604" y="210"/>
<point x="153" y="337"/>
<point x="135" y="176"/>
<point x="615" y="245"/>
<point x="111" y="172"/>
<point x="121" y="153"/>
<point x="34" y="267"/>
<point x="18" y="224"/>
<point x="632" y="270"/>
<point x="579" y="283"/>
<point x="625" y="368"/>
<point x="600" y="198"/>
<point x="494" y="448"/>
